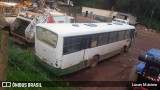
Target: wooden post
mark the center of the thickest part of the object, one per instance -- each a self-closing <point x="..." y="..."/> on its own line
<point x="3" y="56"/>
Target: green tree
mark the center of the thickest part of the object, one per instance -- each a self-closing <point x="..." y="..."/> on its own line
<point x="122" y="5"/>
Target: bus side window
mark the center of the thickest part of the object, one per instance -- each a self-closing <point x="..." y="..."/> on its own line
<point x="71" y="44"/>
<point x="121" y="35"/>
<point x="84" y="42"/>
<point x="113" y="37"/>
<point x="106" y="37"/>
<point x="100" y="39"/>
<point x="93" y="40"/>
<point x="127" y="34"/>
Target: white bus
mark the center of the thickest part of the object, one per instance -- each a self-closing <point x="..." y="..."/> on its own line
<point x="66" y="48"/>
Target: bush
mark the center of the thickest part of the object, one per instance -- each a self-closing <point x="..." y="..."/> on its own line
<point x="155" y="24"/>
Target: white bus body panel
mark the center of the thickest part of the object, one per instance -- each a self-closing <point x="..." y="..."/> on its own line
<point x="112" y="48"/>
<point x="45" y="52"/>
<point x="48" y="54"/>
<point x="72" y="59"/>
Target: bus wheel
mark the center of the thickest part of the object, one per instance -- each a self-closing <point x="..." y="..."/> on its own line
<point x="94" y="61"/>
<point x="123" y="50"/>
<point x="126" y="50"/>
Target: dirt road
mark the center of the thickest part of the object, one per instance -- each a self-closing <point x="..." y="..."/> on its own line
<point x="118" y="67"/>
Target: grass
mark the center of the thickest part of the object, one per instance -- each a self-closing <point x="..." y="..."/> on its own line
<point x="23" y="67"/>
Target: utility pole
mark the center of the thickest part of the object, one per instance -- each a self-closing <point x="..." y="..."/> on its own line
<point x="69" y="8"/>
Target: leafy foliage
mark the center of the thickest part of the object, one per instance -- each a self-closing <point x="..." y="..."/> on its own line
<point x="23" y="67"/>
<point x="143" y="9"/>
<point x="122" y="5"/>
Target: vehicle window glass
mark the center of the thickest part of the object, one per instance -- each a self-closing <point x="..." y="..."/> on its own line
<point x="93" y="41"/>
<point x="121" y="35"/>
<point x="100" y="39"/>
<point x="46" y="36"/>
<point x="122" y="21"/>
<point x="118" y="21"/>
<point x="84" y="42"/>
<point x="127" y="34"/>
<point x="72" y="20"/>
<point x="106" y="37"/>
<point x="71" y="44"/>
<point x="60" y="21"/>
<point x="113" y="37"/>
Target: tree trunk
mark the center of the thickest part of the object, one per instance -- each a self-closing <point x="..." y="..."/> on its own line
<point x="151" y="18"/>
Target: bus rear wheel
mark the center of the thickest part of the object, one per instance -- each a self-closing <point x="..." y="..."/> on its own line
<point x="94" y="61"/>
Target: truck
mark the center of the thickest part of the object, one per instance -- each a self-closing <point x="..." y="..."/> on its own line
<point x="24" y="26"/>
<point x="125" y="19"/>
<point x="148" y="70"/>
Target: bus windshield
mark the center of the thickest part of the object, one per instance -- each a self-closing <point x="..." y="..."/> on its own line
<point x="46" y="36"/>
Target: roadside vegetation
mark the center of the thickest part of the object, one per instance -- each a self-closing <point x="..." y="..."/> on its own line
<point x="147" y="11"/>
<point x="23" y="67"/>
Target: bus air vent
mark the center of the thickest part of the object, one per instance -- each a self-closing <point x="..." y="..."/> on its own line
<point x="91" y="25"/>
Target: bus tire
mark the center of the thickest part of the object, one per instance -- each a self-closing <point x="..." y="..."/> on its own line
<point x="94" y="61"/>
<point x="126" y="49"/>
<point x="123" y="50"/>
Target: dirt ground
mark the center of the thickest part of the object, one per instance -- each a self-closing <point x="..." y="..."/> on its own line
<point x="118" y="67"/>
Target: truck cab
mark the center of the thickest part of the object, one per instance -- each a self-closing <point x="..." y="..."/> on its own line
<point x="124" y="18"/>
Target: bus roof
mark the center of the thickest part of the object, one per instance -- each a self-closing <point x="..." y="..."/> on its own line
<point x="75" y="29"/>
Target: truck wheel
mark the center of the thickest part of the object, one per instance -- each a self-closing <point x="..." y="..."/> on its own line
<point x="94" y="61"/>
